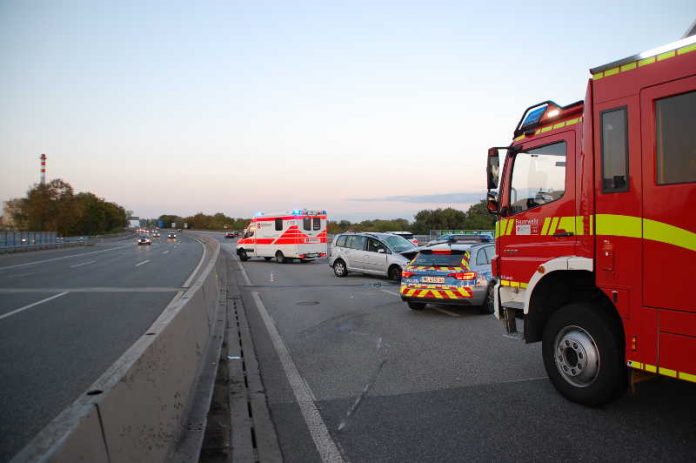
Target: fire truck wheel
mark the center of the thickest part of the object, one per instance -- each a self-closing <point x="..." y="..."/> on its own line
<point x="583" y="354"/>
<point x="394" y="273"/>
<point x="280" y="257"/>
<point x="243" y="255"/>
<point x="487" y="306"/>
<point x="416" y="305"/>
<point x="267" y="258"/>
<point x="339" y="268"/>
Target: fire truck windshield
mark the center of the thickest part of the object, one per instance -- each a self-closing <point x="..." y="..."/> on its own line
<point x="538" y="177"/>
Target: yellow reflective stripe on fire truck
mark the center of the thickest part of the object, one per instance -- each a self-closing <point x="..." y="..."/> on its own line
<point x="513" y="284"/>
<point x="665" y="233"/>
<point x="618" y="225"/>
<point x="662" y="371"/>
<point x="645" y="62"/>
<point x="555" y="126"/>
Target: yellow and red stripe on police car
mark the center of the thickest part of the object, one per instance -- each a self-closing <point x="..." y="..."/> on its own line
<point x="453" y="293"/>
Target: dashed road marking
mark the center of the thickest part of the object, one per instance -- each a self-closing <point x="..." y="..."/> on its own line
<point x="166" y="252"/>
<point x="83" y="264"/>
<point x="22" y="309"/>
<point x="142" y="263"/>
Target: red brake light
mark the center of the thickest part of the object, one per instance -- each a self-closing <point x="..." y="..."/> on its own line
<point x="463" y="275"/>
<point x="406" y="274"/>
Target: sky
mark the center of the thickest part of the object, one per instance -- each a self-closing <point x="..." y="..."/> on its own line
<point x="368" y="109"/>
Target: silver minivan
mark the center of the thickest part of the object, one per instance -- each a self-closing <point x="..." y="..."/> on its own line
<point x="381" y="254"/>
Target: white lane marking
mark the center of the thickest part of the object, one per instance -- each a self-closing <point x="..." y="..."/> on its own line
<point x="61" y="258"/>
<point x="393" y="293"/>
<point x="83" y="264"/>
<point x="166" y="252"/>
<point x="244" y="273"/>
<point x="187" y="283"/>
<point x="19" y="275"/>
<point x="272" y="277"/>
<point x="142" y="263"/>
<point x="22" y="309"/>
<point x="447" y="312"/>
<point x="328" y="451"/>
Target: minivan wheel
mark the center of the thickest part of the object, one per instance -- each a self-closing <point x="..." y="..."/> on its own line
<point x="243" y="255"/>
<point x="280" y="257"/>
<point x="394" y="273"/>
<point x="339" y="268"/>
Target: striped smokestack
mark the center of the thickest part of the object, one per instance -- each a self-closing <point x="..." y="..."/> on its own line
<point x="43" y="169"/>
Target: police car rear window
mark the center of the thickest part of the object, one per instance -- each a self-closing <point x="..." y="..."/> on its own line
<point x="438" y="260"/>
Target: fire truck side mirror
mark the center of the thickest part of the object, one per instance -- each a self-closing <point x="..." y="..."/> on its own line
<point x="492" y="204"/>
<point x="492" y="168"/>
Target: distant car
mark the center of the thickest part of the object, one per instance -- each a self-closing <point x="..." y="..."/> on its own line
<point x="381" y="254"/>
<point x="483" y="237"/>
<point x="451" y="274"/>
<point x="144" y="241"/>
<point x="156" y="235"/>
<point x="171" y="236"/>
<point x="407" y="235"/>
<point x="231" y="235"/>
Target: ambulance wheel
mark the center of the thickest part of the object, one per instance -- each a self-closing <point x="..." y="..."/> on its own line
<point x="339" y="268"/>
<point x="583" y="354"/>
<point x="280" y="258"/>
<point x="394" y="273"/>
<point x="487" y="306"/>
<point x="416" y="305"/>
<point x="243" y="255"/>
<point x="267" y="258"/>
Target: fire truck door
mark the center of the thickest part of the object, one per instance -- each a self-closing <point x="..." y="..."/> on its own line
<point x="668" y="126"/>
<point x="540" y="222"/>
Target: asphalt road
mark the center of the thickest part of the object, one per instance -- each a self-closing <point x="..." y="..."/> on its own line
<point x="67" y="315"/>
<point x="394" y="385"/>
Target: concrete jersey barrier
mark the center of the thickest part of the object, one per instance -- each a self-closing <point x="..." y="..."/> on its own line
<point x="134" y="412"/>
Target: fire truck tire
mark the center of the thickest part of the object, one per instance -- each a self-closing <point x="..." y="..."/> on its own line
<point x="583" y="354"/>
<point x="487" y="306"/>
<point x="280" y="257"/>
<point x="339" y="268"/>
<point x="416" y="305"/>
<point x="243" y="255"/>
<point x="394" y="273"/>
<point x="267" y="258"/>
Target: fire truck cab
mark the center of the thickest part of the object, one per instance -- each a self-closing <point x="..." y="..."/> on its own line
<point x="595" y="237"/>
<point x="299" y="234"/>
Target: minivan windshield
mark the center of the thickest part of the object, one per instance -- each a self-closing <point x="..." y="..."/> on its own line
<point x="398" y="244"/>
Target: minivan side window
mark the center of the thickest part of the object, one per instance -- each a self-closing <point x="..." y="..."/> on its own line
<point x="374" y="245"/>
<point x="481" y="258"/>
<point x="356" y="242"/>
<point x="341" y="241"/>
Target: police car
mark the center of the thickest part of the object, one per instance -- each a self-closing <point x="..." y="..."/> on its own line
<point x="452" y="274"/>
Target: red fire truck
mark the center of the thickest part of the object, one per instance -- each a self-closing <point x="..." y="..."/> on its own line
<point x="596" y="236"/>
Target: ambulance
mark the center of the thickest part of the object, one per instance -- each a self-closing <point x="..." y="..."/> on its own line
<point x="299" y="234"/>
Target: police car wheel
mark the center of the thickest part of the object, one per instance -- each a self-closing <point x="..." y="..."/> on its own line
<point x="416" y="305"/>
<point x="584" y="355"/>
<point x="243" y="255"/>
<point x="487" y="306"/>
<point x="339" y="268"/>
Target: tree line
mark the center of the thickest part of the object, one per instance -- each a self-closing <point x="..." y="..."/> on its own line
<point x="475" y="218"/>
<point x="54" y="206"/>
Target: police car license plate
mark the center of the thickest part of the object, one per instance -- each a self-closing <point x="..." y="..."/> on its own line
<point x="433" y="279"/>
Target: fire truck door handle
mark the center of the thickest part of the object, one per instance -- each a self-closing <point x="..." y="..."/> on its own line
<point x="563" y="234"/>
